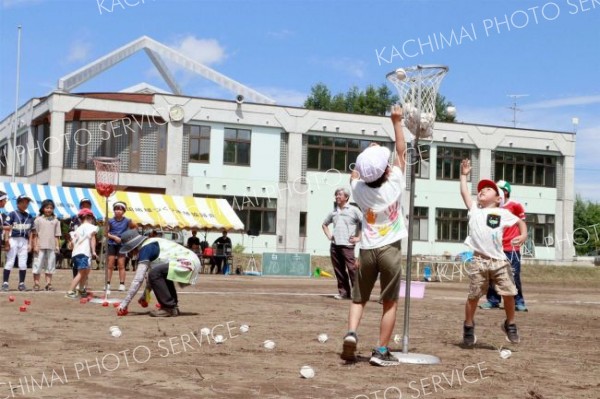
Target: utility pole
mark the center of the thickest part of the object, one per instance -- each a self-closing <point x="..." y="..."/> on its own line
<point x="514" y="107"/>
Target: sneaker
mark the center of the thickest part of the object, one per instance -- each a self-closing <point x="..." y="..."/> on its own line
<point x="383" y="359"/>
<point x="107" y="288"/>
<point x="338" y="297"/>
<point x="521" y="308"/>
<point x="512" y="334"/>
<point x="4" y="287"/>
<point x="82" y="293"/>
<point x="71" y="294"/>
<point x="121" y="287"/>
<point x="488" y="305"/>
<point x="349" y="347"/>
<point x="165" y="312"/>
<point x="22" y="287"/>
<point x="469" y="337"/>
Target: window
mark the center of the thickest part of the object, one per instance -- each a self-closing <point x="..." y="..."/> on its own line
<point x="21" y="155"/>
<point x="420" y="229"/>
<point x="327" y="153"/>
<point x="448" y="162"/>
<point x="42" y="148"/>
<point x="525" y="169"/>
<point x="303" y="218"/>
<point x="237" y="147"/>
<point x="540" y="229"/>
<point x="422" y="167"/>
<point x="257" y="213"/>
<point x="199" y="144"/>
<point x="452" y="224"/>
<point x="3" y="159"/>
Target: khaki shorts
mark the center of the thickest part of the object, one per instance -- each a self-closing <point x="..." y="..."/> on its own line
<point x="385" y="262"/>
<point x="482" y="271"/>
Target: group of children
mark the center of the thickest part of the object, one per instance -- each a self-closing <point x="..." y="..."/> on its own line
<point x="23" y="233"/>
<point x="377" y="189"/>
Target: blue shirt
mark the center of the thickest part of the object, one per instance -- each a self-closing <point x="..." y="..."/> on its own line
<point x="20" y="222"/>
<point x="149" y="252"/>
<point x="117" y="228"/>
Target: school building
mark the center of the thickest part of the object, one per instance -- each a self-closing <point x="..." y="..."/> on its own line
<point x="278" y="165"/>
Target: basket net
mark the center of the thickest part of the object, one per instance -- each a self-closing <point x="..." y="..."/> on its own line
<point x="417" y="88"/>
<point x="107" y="175"/>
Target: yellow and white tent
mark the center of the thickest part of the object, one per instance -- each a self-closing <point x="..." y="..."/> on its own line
<point x="149" y="210"/>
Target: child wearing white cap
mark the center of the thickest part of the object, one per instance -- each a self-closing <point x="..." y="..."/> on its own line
<point x="377" y="189"/>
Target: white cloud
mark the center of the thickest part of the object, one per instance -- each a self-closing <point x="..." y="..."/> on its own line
<point x="13" y="3"/>
<point x="280" y="34"/>
<point x="79" y="51"/>
<point x="348" y="66"/>
<point x="283" y="96"/>
<point x="564" y="102"/>
<point x="204" y="51"/>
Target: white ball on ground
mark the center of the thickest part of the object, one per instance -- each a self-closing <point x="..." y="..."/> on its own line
<point x="244" y="328"/>
<point x="505" y="353"/>
<point x="116" y="333"/>
<point x="307" y="372"/>
<point x="268" y="344"/>
<point x="400" y="74"/>
<point x="219" y="339"/>
<point x="322" y="338"/>
<point x="205" y="331"/>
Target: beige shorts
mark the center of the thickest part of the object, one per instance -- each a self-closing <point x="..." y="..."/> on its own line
<point x="482" y="271"/>
<point x="45" y="260"/>
<point x="385" y="262"/>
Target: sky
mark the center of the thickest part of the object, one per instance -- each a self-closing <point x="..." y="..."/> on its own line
<point x="546" y="52"/>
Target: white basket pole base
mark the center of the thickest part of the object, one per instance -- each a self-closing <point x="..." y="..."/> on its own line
<point x="416" y="358"/>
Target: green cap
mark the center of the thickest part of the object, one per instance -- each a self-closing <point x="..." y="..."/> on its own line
<point x="504" y="185"/>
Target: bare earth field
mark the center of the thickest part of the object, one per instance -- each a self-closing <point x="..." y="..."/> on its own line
<point x="60" y="348"/>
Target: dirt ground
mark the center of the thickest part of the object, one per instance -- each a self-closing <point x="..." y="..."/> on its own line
<point x="59" y="348"/>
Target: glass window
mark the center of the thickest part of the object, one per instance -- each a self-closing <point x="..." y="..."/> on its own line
<point x="236" y="149"/>
<point x="199" y="144"/>
<point x="448" y="162"/>
<point x="452" y="224"/>
<point x="526" y="169"/>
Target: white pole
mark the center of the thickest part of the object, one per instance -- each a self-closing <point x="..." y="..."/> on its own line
<point x="16" y="116"/>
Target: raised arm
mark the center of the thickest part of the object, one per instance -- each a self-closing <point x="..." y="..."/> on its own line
<point x="397" y="116"/>
<point x="465" y="169"/>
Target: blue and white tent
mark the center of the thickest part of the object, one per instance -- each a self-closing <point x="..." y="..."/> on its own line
<point x="66" y="199"/>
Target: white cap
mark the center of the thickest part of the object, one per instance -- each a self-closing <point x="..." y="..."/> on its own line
<point x="372" y="163"/>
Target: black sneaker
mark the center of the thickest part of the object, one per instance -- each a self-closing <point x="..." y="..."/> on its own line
<point x="349" y="347"/>
<point x="384" y="359"/>
<point x="512" y="334"/>
<point x="469" y="337"/>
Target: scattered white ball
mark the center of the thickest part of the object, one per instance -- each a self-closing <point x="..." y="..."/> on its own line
<point x="322" y="338"/>
<point x="219" y="339"/>
<point x="307" y="372"/>
<point x="269" y="344"/>
<point x="116" y="333"/>
<point x="244" y="328"/>
<point x="400" y="74"/>
<point x="505" y="353"/>
<point x="113" y="328"/>
<point x="397" y="338"/>
<point x="205" y="331"/>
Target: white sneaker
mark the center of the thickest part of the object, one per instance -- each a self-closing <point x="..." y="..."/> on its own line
<point x="107" y="288"/>
<point x="121" y="287"/>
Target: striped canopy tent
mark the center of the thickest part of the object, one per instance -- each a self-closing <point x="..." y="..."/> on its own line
<point x="148" y="210"/>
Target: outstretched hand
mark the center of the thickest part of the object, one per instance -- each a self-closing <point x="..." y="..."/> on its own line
<point x="397" y="114"/>
<point x="465" y="167"/>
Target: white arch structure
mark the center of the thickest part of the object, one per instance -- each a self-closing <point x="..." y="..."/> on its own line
<point x="157" y="52"/>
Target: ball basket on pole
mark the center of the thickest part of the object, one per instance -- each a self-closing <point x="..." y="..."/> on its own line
<point x="417" y="87"/>
<point x="107" y="180"/>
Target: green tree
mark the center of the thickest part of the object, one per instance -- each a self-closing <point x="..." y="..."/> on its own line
<point x="441" y="109"/>
<point x="586" y="230"/>
<point x="371" y="101"/>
